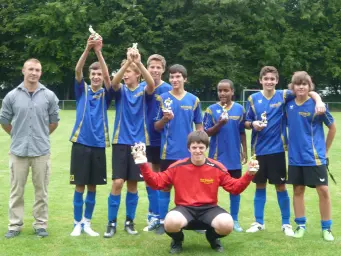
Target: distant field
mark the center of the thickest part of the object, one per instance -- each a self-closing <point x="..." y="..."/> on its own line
<point x="269" y="242"/>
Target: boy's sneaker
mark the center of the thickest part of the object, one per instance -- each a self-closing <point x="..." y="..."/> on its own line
<point x="237" y="227"/>
<point x="153" y="224"/>
<point x="299" y="232"/>
<point x="160" y="230"/>
<point x="88" y="230"/>
<point x="214" y="243"/>
<point x="12" y="234"/>
<point x="255" y="227"/>
<point x="77" y="229"/>
<point x="129" y="227"/>
<point x="287" y="229"/>
<point x="111" y="230"/>
<point x="41" y="232"/>
<point x="175" y="247"/>
<point x="327" y="235"/>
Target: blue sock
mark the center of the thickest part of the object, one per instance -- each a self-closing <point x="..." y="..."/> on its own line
<point x="326" y="224"/>
<point x="113" y="206"/>
<point x="164" y="200"/>
<point x="150" y="193"/>
<point x="153" y="196"/>
<point x="156" y="209"/>
<point x="284" y="204"/>
<point x="90" y="202"/>
<point x="78" y="206"/>
<point x="259" y="204"/>
<point x="131" y="205"/>
<point x="234" y="206"/>
<point x="301" y="221"/>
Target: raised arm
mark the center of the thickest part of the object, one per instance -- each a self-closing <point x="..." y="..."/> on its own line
<point x="116" y="81"/>
<point x="144" y="72"/>
<point x="104" y="67"/>
<point x="80" y="64"/>
<point x="156" y="180"/>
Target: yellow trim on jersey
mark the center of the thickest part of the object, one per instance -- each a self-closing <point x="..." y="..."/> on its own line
<point x="144" y="121"/>
<point x="115" y="139"/>
<point x="106" y="134"/>
<point x="177" y="97"/>
<point x="75" y="136"/>
<point x="132" y="89"/>
<point x="316" y="156"/>
<point x="228" y="109"/>
<point x="163" y="156"/>
<point x="268" y="98"/>
<point x="196" y="103"/>
<point x="300" y="104"/>
<point x="252" y="106"/>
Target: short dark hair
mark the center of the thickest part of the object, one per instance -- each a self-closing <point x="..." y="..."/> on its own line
<point x="227" y="81"/>
<point x="95" y="66"/>
<point x="268" y="69"/>
<point x="177" y="68"/>
<point x="198" y="137"/>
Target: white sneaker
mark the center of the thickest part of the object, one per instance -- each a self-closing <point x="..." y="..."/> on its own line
<point x="287" y="229"/>
<point x="88" y="230"/>
<point x="77" y="230"/>
<point x="255" y="227"/>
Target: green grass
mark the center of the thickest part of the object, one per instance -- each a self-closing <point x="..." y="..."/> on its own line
<point x="270" y="242"/>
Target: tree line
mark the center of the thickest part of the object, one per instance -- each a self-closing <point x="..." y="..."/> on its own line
<point x="213" y="39"/>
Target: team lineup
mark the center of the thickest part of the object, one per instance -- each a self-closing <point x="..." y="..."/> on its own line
<point x="169" y="155"/>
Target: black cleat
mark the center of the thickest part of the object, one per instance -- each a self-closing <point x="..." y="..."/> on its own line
<point x="129" y="227"/>
<point x="111" y="230"/>
<point x="41" y="232"/>
<point x="160" y="230"/>
<point x="175" y="247"/>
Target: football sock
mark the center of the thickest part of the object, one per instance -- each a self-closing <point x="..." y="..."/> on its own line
<point x="234" y="206"/>
<point x="78" y="206"/>
<point x="150" y="192"/>
<point x="326" y="224"/>
<point x="259" y="204"/>
<point x="177" y="236"/>
<point x="153" y="196"/>
<point x="301" y="221"/>
<point x="284" y="204"/>
<point x="164" y="200"/>
<point x="90" y="202"/>
<point x="131" y="204"/>
<point x="113" y="206"/>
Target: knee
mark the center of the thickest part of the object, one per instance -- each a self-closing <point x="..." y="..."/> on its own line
<point x="131" y="186"/>
<point x="173" y="223"/>
<point x="117" y="184"/>
<point x="281" y="187"/>
<point x="299" y="191"/>
<point x="323" y="192"/>
<point x="223" y="224"/>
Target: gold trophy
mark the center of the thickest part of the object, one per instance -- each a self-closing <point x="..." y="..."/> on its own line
<point x="225" y="115"/>
<point x="139" y="153"/>
<point x="167" y="106"/>
<point x="94" y="34"/>
<point x="134" y="46"/>
<point x="264" y="121"/>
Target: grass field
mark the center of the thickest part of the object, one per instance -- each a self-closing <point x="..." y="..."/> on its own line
<point x="269" y="242"/>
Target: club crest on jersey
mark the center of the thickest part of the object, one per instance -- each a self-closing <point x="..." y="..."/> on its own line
<point x="206" y="181"/>
<point x="218" y="111"/>
<point x="260" y="101"/>
<point x="291" y="107"/>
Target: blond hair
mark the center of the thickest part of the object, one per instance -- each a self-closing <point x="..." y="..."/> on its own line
<point x="300" y="77"/>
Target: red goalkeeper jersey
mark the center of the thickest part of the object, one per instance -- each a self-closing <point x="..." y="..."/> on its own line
<point x="195" y="185"/>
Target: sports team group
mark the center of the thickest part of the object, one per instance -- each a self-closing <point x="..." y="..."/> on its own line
<point x="162" y="116"/>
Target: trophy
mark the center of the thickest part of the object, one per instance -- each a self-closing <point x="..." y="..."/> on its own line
<point x="139" y="153"/>
<point x="94" y="34"/>
<point x="134" y="46"/>
<point x="224" y="115"/>
<point x="253" y="164"/>
<point x="167" y="109"/>
<point x="264" y="121"/>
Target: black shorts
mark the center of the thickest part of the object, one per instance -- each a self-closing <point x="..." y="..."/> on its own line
<point x="272" y="167"/>
<point x="88" y="165"/>
<point x="310" y="176"/>
<point x="235" y="173"/>
<point x="199" y="217"/>
<point x="153" y="154"/>
<point x="164" y="164"/>
<point x="123" y="165"/>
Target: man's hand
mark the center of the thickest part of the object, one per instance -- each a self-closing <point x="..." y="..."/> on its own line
<point x="130" y="55"/>
<point x="222" y="121"/>
<point x="98" y="44"/>
<point x="139" y="153"/>
<point x="320" y="108"/>
<point x="90" y="43"/>
<point x="136" y="56"/>
<point x="258" y="125"/>
<point x="253" y="166"/>
<point x="168" y="115"/>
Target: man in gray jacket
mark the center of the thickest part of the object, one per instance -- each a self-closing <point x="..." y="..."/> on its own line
<point x="29" y="115"/>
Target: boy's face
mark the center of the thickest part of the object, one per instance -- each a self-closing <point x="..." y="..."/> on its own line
<point x="177" y="80"/>
<point x="301" y="90"/>
<point x="225" y="92"/>
<point x="269" y="81"/>
<point x="32" y="72"/>
<point x="156" y="69"/>
<point x="197" y="151"/>
<point x="96" y="78"/>
<point x="130" y="77"/>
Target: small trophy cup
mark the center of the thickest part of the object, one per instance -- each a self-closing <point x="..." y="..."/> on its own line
<point x="264" y="121"/>
<point x="134" y="46"/>
<point x="167" y="109"/>
<point x="224" y="115"/>
<point x="253" y="164"/>
<point x="139" y="153"/>
<point x="95" y="35"/>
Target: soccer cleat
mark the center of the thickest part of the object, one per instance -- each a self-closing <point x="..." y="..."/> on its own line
<point x="129" y="227"/>
<point x="237" y="227"/>
<point x="160" y="230"/>
<point x="287" y="229"/>
<point x="154" y="224"/>
<point x="77" y="230"/>
<point x="111" y="230"/>
<point x="299" y="232"/>
<point x="327" y="235"/>
<point x="175" y="247"/>
<point x="41" y="232"/>
<point x="255" y="227"/>
<point x="88" y="230"/>
<point x="12" y="234"/>
<point x="214" y="243"/>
